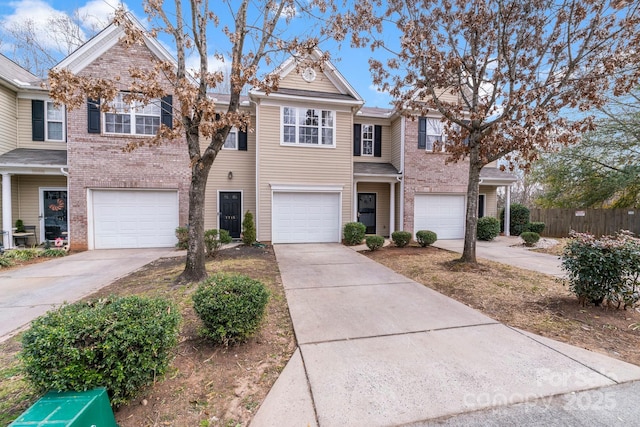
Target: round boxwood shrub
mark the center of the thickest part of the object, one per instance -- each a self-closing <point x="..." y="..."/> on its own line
<point x="231" y="307"/>
<point x="401" y="238"/>
<point x="121" y="343"/>
<point x="488" y="228"/>
<point x="530" y="238"/>
<point x="354" y="233"/>
<point x="374" y="242"/>
<point x="426" y="238"/>
<point x="536" y="227"/>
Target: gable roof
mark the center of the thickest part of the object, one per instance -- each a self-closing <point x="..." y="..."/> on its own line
<point x="346" y="92"/>
<point x="15" y="76"/>
<point x="105" y="40"/>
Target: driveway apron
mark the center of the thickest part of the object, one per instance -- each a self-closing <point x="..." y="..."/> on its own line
<point x="31" y="291"/>
<point x="377" y="349"/>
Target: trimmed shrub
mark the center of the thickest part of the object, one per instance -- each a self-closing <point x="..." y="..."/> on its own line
<point x="231" y="307"/>
<point x="5" y="262"/>
<point x="426" y="238"/>
<point x="530" y="238"/>
<point x="375" y="242"/>
<point x="488" y="228"/>
<point x="536" y="227"/>
<point x="401" y="238"/>
<point x="248" y="229"/>
<point x="182" y="233"/>
<point x="519" y="219"/>
<point x="603" y="269"/>
<point x="214" y="239"/>
<point x="354" y="233"/>
<point x="120" y="343"/>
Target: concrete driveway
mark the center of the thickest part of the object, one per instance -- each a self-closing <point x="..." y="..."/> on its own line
<point x="31" y="291"/>
<point x="508" y="250"/>
<point x="377" y="349"/>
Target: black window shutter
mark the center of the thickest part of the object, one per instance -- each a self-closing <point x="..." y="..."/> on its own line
<point x="357" y="138"/>
<point x="166" y="112"/>
<point x="93" y="115"/>
<point x="242" y="140"/>
<point x="422" y="133"/>
<point x="377" y="141"/>
<point x="37" y="120"/>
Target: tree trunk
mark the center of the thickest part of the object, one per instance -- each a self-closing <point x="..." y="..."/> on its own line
<point x="194" y="270"/>
<point x="473" y="188"/>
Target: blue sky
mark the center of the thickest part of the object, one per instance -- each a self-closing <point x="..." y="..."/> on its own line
<point x="352" y="63"/>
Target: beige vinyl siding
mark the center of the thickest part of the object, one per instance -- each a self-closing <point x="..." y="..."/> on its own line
<point x="7" y="120"/>
<point x="243" y="166"/>
<point x="396" y="142"/>
<point x="25" y="138"/>
<point x="294" y="80"/>
<point x="386" y="140"/>
<point x="446" y="95"/>
<point x="301" y="165"/>
<point x="491" y="200"/>
<point x="27" y="197"/>
<point x="383" y="193"/>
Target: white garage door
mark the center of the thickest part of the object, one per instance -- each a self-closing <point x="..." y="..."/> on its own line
<point x="443" y="214"/>
<point x="134" y="218"/>
<point x="306" y="217"/>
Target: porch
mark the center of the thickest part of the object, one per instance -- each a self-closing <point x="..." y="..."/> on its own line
<point x="376" y="193"/>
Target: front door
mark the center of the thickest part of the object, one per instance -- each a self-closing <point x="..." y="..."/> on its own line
<point x="367" y="211"/>
<point x="53" y="222"/>
<point x="230" y="212"/>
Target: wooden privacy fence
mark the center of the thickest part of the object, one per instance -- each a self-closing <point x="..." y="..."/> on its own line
<point x="595" y="221"/>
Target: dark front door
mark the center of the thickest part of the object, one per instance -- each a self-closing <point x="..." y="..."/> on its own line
<point x="55" y="214"/>
<point x="367" y="211"/>
<point x="230" y="205"/>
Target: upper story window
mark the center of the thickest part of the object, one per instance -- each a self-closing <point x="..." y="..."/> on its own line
<point x="231" y="143"/>
<point x="133" y="118"/>
<point x="47" y="121"/>
<point x="431" y="135"/>
<point x="308" y="126"/>
<point x="367" y="140"/>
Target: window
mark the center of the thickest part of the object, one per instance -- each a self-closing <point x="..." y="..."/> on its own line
<point x="435" y="135"/>
<point x="307" y="126"/>
<point x="133" y="118"/>
<point x="367" y="140"/>
<point x="231" y="143"/>
<point x="55" y="122"/>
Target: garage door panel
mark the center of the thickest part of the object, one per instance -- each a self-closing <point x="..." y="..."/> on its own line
<point x="306" y="217"/>
<point x="443" y="214"/>
<point x="134" y="218"/>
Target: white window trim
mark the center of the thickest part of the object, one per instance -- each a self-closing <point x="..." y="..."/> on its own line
<point x="232" y="131"/>
<point x="297" y="126"/>
<point x="373" y="140"/>
<point x="46" y="123"/>
<point x="131" y="112"/>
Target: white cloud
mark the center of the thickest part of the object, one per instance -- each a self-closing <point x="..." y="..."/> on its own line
<point x="215" y="63"/>
<point x="97" y="14"/>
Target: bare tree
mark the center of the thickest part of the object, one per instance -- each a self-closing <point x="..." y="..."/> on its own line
<point x="515" y="66"/>
<point x="255" y="34"/>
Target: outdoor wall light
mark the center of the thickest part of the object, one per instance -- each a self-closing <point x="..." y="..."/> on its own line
<point x="230" y="175"/>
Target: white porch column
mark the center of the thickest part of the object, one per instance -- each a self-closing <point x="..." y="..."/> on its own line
<point x="355" y="201"/>
<point x="392" y="208"/>
<point x="7" y="224"/>
<point x="507" y="211"/>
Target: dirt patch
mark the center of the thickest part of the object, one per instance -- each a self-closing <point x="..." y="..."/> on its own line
<point x="527" y="300"/>
<point x="206" y="385"/>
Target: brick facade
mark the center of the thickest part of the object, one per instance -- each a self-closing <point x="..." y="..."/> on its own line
<point x="97" y="161"/>
<point x="426" y="172"/>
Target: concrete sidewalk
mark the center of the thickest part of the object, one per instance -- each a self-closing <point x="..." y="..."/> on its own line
<point x="377" y="349"/>
<point x="31" y="291"/>
<point x="507" y="250"/>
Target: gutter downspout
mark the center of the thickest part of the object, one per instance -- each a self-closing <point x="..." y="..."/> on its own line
<point x="402" y="136"/>
<point x="257" y="170"/>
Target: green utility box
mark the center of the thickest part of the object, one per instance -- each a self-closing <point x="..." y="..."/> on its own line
<point x="89" y="408"/>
